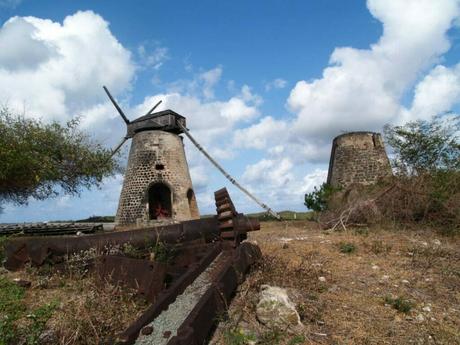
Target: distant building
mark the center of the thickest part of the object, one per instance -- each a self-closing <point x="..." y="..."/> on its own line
<point x="357" y="158"/>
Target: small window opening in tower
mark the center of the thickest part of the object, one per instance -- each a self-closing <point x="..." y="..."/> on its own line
<point x="159" y="166"/>
<point x="160" y="205"/>
<point x="192" y="203"/>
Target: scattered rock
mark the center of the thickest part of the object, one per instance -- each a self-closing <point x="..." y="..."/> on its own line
<point x="147" y="330"/>
<point x="48" y="336"/>
<point x="166" y="334"/>
<point x="275" y="309"/>
<point x="420" y="318"/>
<point x="79" y="233"/>
<point x="322" y="279"/>
<point x="427" y="308"/>
<point x="333" y="288"/>
<point x="320" y="334"/>
<point x="385" y="277"/>
<point x="437" y="242"/>
<point x="375" y="267"/>
<point x="285" y="239"/>
<point x="405" y="281"/>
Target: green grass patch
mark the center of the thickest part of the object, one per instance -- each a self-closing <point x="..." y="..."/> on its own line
<point x="37" y="322"/>
<point x="400" y="304"/>
<point x="296" y="340"/>
<point x="13" y="309"/>
<point x="237" y="337"/>
<point x="272" y="337"/>
<point x="3" y="240"/>
<point x="347" y="247"/>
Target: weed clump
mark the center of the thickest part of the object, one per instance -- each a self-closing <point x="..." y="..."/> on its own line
<point x="238" y="337"/>
<point x="347" y="248"/>
<point x="400" y="304"/>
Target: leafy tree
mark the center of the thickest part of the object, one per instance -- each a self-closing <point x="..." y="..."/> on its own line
<point x="41" y="160"/>
<point x="319" y="198"/>
<point x="425" y="146"/>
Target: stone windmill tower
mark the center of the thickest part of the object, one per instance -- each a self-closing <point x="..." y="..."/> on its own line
<point x="357" y="158"/>
<point x="157" y="185"/>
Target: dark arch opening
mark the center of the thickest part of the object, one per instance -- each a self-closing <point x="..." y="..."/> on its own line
<point x="192" y="203"/>
<point x="160" y="203"/>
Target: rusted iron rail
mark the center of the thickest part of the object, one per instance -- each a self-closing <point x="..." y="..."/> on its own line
<point x="48" y="229"/>
<point x="168" y="296"/>
<point x="229" y="274"/>
<point x="21" y="250"/>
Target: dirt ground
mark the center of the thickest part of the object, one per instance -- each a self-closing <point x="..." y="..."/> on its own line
<point x="360" y="286"/>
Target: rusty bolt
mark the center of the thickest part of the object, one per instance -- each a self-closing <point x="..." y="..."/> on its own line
<point x="147" y="330"/>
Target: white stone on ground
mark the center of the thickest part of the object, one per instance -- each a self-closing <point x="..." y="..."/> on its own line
<point x="275" y="309"/>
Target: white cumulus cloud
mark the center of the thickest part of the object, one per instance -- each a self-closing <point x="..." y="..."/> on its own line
<point x="54" y="70"/>
<point x="362" y="88"/>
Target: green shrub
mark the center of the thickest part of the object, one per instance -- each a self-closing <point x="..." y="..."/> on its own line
<point x="164" y="253"/>
<point x="319" y="198"/>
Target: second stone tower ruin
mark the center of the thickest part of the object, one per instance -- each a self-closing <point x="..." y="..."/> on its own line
<point x="357" y="157"/>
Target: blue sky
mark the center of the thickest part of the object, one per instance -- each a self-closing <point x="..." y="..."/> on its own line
<point x="265" y="85"/>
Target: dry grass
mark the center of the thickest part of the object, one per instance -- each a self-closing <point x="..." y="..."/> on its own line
<point x="87" y="311"/>
<point x="395" y="287"/>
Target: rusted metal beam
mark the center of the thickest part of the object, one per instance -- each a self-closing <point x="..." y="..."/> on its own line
<point x="168" y="296"/>
<point x="21" y="250"/>
<point x="229" y="274"/>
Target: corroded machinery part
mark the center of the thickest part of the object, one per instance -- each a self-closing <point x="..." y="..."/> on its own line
<point x="233" y="226"/>
<point x="183" y="317"/>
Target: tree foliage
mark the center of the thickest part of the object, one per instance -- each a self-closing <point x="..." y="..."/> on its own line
<point x="425" y="146"/>
<point x="40" y="160"/>
<point x="319" y="198"/>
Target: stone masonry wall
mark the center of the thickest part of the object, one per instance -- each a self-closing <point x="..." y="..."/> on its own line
<point x="357" y="157"/>
<point x="156" y="156"/>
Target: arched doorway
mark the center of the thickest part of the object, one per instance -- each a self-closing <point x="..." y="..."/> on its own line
<point x="192" y="203"/>
<point x="160" y="203"/>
